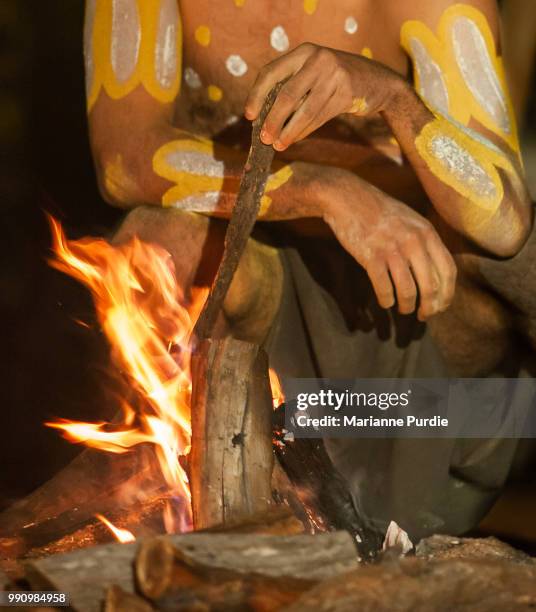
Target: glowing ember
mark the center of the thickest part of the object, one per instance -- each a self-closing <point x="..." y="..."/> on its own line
<point x="148" y="323"/>
<point x="122" y="535"/>
<point x="277" y="391"/>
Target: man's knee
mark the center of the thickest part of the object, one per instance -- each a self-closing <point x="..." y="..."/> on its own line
<point x="195" y="244"/>
<point x="183" y="235"/>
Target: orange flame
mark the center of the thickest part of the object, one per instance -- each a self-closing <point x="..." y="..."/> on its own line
<point x="122" y="535"/>
<point x="277" y="390"/>
<point x="143" y="313"/>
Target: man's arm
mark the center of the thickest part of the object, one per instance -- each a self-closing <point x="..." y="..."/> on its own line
<point x="142" y="158"/>
<point x="133" y="75"/>
<point x="457" y="130"/>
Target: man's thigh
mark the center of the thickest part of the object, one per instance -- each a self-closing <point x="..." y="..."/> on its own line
<point x="195" y="243"/>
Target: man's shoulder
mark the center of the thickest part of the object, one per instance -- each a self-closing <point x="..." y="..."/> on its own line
<point x="431" y="11"/>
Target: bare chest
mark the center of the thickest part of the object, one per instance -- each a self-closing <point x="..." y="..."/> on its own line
<point x="226" y="42"/>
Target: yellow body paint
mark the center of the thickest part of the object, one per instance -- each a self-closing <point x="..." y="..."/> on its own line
<point x="366" y="52"/>
<point x="155" y="33"/>
<point x="202" y="35"/>
<point x="191" y="165"/>
<point x="309" y="6"/>
<point x="275" y="180"/>
<point x="359" y="106"/>
<point x="117" y="181"/>
<point x="468" y="166"/>
<point x="214" y="93"/>
<point x="239" y="3"/>
<point x="470" y="82"/>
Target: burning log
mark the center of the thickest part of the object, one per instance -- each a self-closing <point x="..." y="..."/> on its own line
<point x="87" y="574"/>
<point x="93" y="482"/>
<point x="231" y="458"/>
<point x="174" y="580"/>
<point x="310" y="470"/>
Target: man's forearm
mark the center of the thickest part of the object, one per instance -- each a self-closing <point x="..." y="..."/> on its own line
<point x="178" y="169"/>
<point x="473" y="184"/>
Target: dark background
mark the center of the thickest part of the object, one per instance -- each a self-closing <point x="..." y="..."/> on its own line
<point x="50" y="365"/>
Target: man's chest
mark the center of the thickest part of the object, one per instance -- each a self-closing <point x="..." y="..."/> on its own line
<point x="227" y="42"/>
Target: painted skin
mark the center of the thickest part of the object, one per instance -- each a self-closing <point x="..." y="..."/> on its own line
<point x="417" y="260"/>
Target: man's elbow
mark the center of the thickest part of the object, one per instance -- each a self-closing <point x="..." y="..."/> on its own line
<point x="119" y="182"/>
<point x="515" y="235"/>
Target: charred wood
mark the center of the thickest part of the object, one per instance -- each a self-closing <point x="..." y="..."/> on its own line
<point x="310" y="470"/>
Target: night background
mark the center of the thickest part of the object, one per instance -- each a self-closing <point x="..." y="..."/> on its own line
<point x="51" y="365"/>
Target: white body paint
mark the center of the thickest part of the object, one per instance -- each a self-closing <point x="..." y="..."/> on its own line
<point x="461" y="164"/>
<point x="350" y="25"/>
<point x="192" y="79"/>
<point x="473" y="134"/>
<point x="236" y="65"/>
<point x="432" y="87"/>
<point x="194" y="162"/>
<point x="165" y="56"/>
<point x="89" y="21"/>
<point x="477" y="69"/>
<point x="279" y="39"/>
<point x="206" y="202"/>
<point x="126" y="34"/>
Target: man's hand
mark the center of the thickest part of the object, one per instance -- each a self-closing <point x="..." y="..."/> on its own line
<point x="400" y="250"/>
<point x="322" y="84"/>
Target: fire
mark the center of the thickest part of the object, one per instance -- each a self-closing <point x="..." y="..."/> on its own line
<point x="148" y="323"/>
<point x="122" y="535"/>
<point x="277" y="391"/>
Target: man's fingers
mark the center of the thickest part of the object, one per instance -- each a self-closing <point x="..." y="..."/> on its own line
<point x="406" y="290"/>
<point x="427" y="280"/>
<point x="381" y="282"/>
<point x="288" y="100"/>
<point x="269" y="75"/>
<point x="306" y="119"/>
<point x="328" y="111"/>
<point x="446" y="267"/>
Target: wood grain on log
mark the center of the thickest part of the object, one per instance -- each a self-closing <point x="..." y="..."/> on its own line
<point x="230" y="464"/>
<point x="277" y="520"/>
<point x="87" y="574"/>
<point x="242" y="220"/>
<point x="118" y="600"/>
<point x="441" y="546"/>
<point x="415" y="585"/>
<point x="176" y="581"/>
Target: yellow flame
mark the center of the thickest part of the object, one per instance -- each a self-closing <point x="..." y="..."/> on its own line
<point x="277" y="390"/>
<point x="143" y="312"/>
<point x="122" y="535"/>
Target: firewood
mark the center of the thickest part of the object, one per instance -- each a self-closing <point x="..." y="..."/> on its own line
<point x="415" y="585"/>
<point x="86" y="574"/>
<point x="440" y="546"/>
<point x="231" y="460"/>
<point x="174" y="580"/>
<point x="93" y="482"/>
<point x="277" y="520"/>
<point x="323" y="489"/>
<point x="118" y="600"/>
